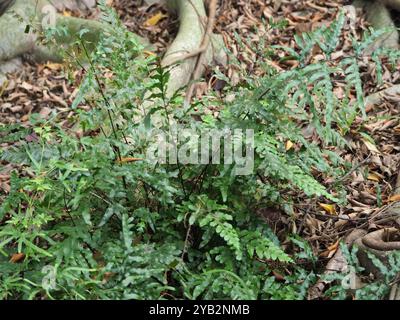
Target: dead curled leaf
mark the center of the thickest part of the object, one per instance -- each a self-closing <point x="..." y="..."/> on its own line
<point x="329" y="208"/>
<point x="374" y="177"/>
<point x="331" y="250"/>
<point x="17" y="257"/>
<point x="154" y="20"/>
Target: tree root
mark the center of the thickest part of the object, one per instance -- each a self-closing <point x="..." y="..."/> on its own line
<point x="190" y="42"/>
<point x="73" y="5"/>
<point x="192" y="39"/>
<point x="17" y="40"/>
<point x="4" y="5"/>
<point x="8" y="67"/>
<point x="382" y="240"/>
<point x="379" y="243"/>
<point x="206" y="41"/>
<point x="200" y="62"/>
<point x="393" y="4"/>
<point x="378" y="14"/>
<point x="337" y="264"/>
<point x="181" y="57"/>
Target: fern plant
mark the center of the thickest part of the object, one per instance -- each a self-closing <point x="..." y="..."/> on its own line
<point x="111" y="224"/>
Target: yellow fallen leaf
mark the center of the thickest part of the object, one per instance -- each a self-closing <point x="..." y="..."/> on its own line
<point x="129" y="160"/>
<point x="394" y="198"/>
<point x="149" y="53"/>
<point x="54" y="66"/>
<point x="67" y="13"/>
<point x="329" y="208"/>
<point x="370" y="146"/>
<point x="331" y="250"/>
<point x="334" y="246"/>
<point x="152" y="21"/>
<point x="289" y="145"/>
<point x="374" y="177"/>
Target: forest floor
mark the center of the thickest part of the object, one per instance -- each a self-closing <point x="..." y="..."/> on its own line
<point x="48" y="89"/>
